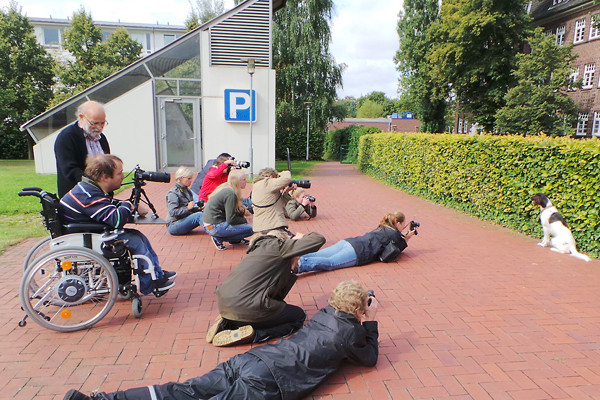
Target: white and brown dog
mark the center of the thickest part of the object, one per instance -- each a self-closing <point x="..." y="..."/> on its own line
<point x="557" y="234"/>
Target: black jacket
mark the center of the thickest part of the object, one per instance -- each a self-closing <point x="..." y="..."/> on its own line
<point x="299" y="364"/>
<point x="369" y="246"/>
<point x="70" y="152"/>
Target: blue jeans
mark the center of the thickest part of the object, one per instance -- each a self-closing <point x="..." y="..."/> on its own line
<point x="139" y="245"/>
<point x="185" y="225"/>
<point x="340" y="255"/>
<point x="230" y="233"/>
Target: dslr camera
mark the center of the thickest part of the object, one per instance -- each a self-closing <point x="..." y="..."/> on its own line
<point x="304" y="183"/>
<point x="241" y="164"/>
<point x="413" y="226"/>
<point x="371" y="293"/>
<point x="140" y="175"/>
<point x="310" y="198"/>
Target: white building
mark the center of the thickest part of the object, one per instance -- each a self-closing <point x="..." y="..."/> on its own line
<point x="187" y="102"/>
<point x="49" y="33"/>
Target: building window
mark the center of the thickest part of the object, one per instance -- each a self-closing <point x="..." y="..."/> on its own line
<point x="579" y="30"/>
<point x="573" y="78"/>
<point x="560" y="35"/>
<point x="588" y="76"/>
<point x="596" y="126"/>
<point x="582" y="124"/>
<point x="105" y="35"/>
<point x="168" y="38"/>
<point x="548" y="32"/>
<point x="555" y="2"/>
<point x="594" y="31"/>
<point x="51" y="38"/>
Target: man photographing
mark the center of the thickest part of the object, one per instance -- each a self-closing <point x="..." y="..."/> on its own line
<point x="91" y="200"/>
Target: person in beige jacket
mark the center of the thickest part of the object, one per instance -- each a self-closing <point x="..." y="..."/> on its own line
<point x="270" y="194"/>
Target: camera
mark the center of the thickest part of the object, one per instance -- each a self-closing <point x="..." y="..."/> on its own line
<point x="371" y="293"/>
<point x="241" y="164"/>
<point x="152" y="176"/>
<point x="200" y="204"/>
<point x="304" y="183"/>
<point x="310" y="198"/>
<point x="413" y="226"/>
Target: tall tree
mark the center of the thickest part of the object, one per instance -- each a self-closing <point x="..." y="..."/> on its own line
<point x="202" y="12"/>
<point x="426" y="94"/>
<point x="306" y="72"/>
<point x="474" y="48"/>
<point x="387" y="106"/>
<point x="94" y="59"/>
<point x="540" y="103"/>
<point x="26" y="79"/>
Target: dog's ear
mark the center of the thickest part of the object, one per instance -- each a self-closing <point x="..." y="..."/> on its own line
<point x="540" y="199"/>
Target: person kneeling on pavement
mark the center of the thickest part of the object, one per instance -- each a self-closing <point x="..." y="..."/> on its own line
<point x="91" y="201"/>
<point x="302" y="204"/>
<point x="344" y="331"/>
<point x="251" y="299"/>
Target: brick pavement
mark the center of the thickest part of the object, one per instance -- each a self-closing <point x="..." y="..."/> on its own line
<point x="469" y="311"/>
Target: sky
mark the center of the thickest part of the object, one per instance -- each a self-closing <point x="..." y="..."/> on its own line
<point x="363" y="32"/>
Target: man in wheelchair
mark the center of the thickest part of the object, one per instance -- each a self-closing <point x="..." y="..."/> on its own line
<point x="91" y="200"/>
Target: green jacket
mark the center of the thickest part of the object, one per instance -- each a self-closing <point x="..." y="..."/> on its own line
<point x="221" y="207"/>
<point x="256" y="288"/>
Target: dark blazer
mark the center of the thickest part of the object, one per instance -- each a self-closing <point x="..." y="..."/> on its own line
<point x="70" y="152"/>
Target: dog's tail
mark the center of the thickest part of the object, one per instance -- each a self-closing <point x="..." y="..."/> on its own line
<point x="577" y="254"/>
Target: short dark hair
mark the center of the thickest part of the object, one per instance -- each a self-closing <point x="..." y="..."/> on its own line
<point x="222" y="158"/>
<point x="98" y="166"/>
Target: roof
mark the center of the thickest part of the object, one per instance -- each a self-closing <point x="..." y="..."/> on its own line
<point x="545" y="9"/>
<point x="112" y="24"/>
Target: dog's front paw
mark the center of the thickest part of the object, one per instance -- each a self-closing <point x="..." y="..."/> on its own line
<point x="543" y="244"/>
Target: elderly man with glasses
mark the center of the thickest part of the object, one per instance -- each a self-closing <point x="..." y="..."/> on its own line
<point x="77" y="141"/>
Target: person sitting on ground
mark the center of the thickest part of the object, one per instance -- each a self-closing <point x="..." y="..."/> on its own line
<point x="223" y="216"/>
<point x="184" y="214"/>
<point x="359" y="250"/>
<point x="270" y="194"/>
<point x="91" y="201"/>
<point x="344" y="331"/>
<point x="251" y="299"/>
<point x="301" y="204"/>
<point x="216" y="175"/>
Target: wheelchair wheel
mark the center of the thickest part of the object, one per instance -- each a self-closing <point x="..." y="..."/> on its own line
<point x="69" y="289"/>
<point x="136" y="307"/>
<point x="40" y="248"/>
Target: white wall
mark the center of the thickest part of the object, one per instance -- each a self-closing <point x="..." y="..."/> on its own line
<point x="130" y="133"/>
<point x="233" y="137"/>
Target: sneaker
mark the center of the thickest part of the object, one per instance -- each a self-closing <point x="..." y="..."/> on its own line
<point x="218" y="244"/>
<point x="77" y="395"/>
<point x="243" y="241"/>
<point x="214" y="329"/>
<point x="170" y="274"/>
<point x="162" y="284"/>
<point x="244" y="334"/>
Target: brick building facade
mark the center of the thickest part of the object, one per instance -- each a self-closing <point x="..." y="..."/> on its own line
<point x="385" y="124"/>
<point x="572" y="21"/>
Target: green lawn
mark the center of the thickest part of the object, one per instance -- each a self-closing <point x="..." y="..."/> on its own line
<point x="20" y="216"/>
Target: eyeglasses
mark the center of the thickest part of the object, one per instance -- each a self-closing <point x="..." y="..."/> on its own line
<point x="94" y="124"/>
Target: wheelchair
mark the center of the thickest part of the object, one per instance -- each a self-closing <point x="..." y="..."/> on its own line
<point x="73" y="277"/>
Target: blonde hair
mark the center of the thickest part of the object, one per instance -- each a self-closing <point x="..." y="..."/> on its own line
<point x="298" y="192"/>
<point x="349" y="297"/>
<point x="183" y="172"/>
<point x="392" y="219"/>
<point x="233" y="182"/>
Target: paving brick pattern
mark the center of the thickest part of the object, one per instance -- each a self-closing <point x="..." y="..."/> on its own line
<point x="469" y="311"/>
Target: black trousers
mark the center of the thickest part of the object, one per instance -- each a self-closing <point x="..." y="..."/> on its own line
<point x="243" y="377"/>
<point x="288" y="321"/>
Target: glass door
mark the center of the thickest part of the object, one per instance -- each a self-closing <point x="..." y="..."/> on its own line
<point x="180" y="137"/>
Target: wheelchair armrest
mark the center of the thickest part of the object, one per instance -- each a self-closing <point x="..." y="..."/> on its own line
<point x="86" y="227"/>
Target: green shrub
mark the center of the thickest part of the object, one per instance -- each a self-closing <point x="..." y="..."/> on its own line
<point x="494" y="177"/>
<point x="346" y="136"/>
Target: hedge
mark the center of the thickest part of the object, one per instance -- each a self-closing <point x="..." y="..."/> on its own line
<point x="345" y="136"/>
<point x="494" y="177"/>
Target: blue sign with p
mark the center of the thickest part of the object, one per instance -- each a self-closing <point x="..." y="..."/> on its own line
<point x="238" y="105"/>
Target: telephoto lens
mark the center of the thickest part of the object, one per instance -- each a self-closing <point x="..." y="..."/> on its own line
<point x="371" y="294"/>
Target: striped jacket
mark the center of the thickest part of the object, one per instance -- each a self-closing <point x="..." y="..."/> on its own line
<point x="86" y="202"/>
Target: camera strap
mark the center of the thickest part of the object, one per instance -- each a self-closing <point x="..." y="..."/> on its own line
<point x="268" y="205"/>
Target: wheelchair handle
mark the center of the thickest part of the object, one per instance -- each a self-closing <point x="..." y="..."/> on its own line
<point x="30" y="193"/>
<point x="30" y="188"/>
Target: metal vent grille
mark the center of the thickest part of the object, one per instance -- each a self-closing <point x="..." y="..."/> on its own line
<point x="246" y="34"/>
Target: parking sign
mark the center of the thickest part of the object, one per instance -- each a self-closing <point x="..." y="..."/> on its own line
<point x="237" y="105"/>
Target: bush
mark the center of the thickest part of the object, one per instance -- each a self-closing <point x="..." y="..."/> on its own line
<point x="494" y="177"/>
<point x="346" y="136"/>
